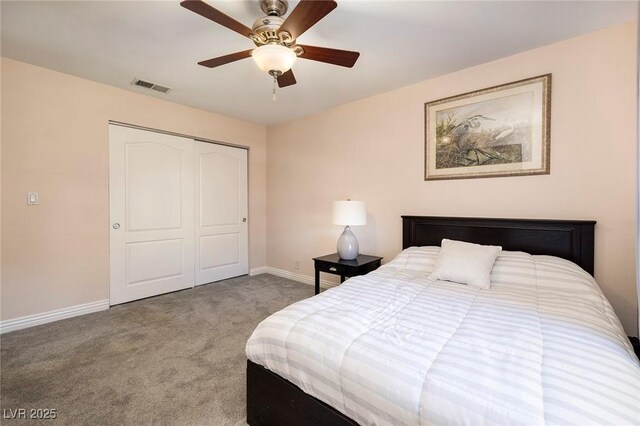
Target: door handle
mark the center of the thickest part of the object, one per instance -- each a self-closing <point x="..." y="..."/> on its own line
<point x="116" y="226"/>
<point x="244" y="219"/>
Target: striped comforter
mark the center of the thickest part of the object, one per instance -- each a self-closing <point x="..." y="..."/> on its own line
<point x="542" y="346"/>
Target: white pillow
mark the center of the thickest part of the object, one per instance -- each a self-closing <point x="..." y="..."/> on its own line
<point x="417" y="259"/>
<point x="465" y="263"/>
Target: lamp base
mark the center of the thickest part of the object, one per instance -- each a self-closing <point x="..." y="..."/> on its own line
<point x="347" y="245"/>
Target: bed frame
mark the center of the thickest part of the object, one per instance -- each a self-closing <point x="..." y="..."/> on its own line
<point x="272" y="400"/>
<point x="568" y="239"/>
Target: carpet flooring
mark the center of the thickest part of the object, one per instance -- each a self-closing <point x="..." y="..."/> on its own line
<point x="172" y="359"/>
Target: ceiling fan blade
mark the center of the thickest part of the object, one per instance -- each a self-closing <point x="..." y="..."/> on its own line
<point x="344" y="58"/>
<point x="203" y="9"/>
<point x="306" y="15"/>
<point x="221" y="60"/>
<point x="286" y="79"/>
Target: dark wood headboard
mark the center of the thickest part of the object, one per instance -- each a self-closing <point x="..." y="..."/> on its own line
<point x="568" y="239"/>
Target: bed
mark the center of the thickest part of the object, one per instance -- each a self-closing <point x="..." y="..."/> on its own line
<point x="394" y="347"/>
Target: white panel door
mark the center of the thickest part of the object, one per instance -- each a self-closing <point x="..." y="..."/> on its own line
<point x="152" y="218"/>
<point x="221" y="212"/>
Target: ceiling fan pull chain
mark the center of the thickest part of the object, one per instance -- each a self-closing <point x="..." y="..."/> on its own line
<point x="274" y="87"/>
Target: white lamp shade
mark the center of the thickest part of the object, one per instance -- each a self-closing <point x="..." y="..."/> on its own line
<point x="349" y="213"/>
<point x="273" y="57"/>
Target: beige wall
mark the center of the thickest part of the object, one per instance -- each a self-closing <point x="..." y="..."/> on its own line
<point x="372" y="150"/>
<point x="55" y="142"/>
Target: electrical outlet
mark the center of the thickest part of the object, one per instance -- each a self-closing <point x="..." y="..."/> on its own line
<point x="32" y="198"/>
<point x="296" y="264"/>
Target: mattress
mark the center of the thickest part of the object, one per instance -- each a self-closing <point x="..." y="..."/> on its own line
<point x="541" y="346"/>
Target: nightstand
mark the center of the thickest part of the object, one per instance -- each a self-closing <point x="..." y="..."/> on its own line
<point x="332" y="264"/>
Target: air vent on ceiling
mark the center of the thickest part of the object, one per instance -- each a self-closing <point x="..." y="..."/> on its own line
<point x="149" y="85"/>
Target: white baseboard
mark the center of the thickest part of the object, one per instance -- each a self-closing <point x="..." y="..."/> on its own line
<point x="258" y="271"/>
<point x="298" y="277"/>
<point x="101" y="305"/>
<point x="51" y="316"/>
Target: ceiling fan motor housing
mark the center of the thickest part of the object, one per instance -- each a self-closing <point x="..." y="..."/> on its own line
<point x="266" y="30"/>
<point x="267" y="24"/>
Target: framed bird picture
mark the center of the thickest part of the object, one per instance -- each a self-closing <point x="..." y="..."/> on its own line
<point x="498" y="131"/>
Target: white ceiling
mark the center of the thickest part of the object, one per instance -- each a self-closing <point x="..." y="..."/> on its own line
<point x="401" y="42"/>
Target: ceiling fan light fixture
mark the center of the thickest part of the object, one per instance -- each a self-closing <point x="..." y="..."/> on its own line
<point x="274" y="58"/>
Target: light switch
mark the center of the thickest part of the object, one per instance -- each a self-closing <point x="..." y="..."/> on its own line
<point x="32" y="198"/>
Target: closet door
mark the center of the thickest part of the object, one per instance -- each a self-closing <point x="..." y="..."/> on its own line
<point x="221" y="212"/>
<point x="152" y="217"/>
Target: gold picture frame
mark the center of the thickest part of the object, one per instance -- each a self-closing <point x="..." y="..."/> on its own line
<point x="494" y="132"/>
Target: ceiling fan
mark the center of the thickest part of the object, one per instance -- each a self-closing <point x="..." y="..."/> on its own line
<point x="275" y="37"/>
